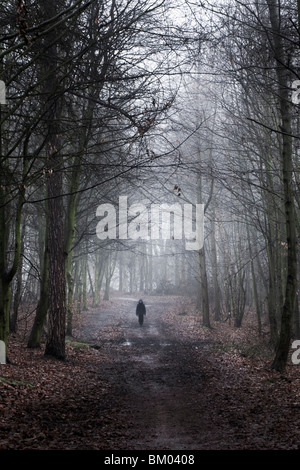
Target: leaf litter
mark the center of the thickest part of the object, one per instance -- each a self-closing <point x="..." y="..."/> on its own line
<point x="171" y="384"/>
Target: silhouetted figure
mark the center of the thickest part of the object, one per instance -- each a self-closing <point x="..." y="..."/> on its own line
<point x="140" y="311"/>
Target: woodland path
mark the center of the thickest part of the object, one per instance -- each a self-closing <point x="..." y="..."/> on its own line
<point x="168" y="391"/>
<point x="168" y="385"/>
<point x="156" y="381"/>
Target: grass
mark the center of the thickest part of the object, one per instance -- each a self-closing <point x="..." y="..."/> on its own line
<point x="78" y="344"/>
<point x="15" y="383"/>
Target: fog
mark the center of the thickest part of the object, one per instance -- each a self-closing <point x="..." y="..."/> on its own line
<point x="113" y="112"/>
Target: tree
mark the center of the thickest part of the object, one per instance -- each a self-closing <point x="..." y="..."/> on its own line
<point x="283" y="76"/>
<point x="55" y="345"/>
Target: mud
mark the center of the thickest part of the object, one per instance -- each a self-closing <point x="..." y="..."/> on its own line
<point x="156" y="381"/>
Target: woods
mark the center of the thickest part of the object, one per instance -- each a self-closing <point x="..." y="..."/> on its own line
<point x="160" y="103"/>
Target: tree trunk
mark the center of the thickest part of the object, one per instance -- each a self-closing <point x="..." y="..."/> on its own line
<point x="34" y="340"/>
<point x="7" y="274"/>
<point x="55" y="345"/>
<point x="109" y="271"/>
<point x="288" y="308"/>
<point x="202" y="265"/>
<point x="204" y="289"/>
<point x="254" y="285"/>
<point x="18" y="290"/>
<point x="214" y="261"/>
<point x="99" y="274"/>
<point x="84" y="264"/>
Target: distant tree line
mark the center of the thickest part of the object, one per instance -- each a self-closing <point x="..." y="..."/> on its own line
<point x="158" y="101"/>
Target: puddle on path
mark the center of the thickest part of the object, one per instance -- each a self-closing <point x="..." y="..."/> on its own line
<point x="128" y="342"/>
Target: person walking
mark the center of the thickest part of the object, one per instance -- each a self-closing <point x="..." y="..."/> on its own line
<point x="140" y="311"/>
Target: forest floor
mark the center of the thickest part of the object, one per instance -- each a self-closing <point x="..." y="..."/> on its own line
<point x="168" y="385"/>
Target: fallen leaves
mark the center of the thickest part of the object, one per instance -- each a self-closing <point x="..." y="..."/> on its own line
<point x="217" y="382"/>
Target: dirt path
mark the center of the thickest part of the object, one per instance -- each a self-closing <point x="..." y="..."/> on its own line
<point x="170" y="389"/>
<point x="156" y="380"/>
<point x="169" y="385"/>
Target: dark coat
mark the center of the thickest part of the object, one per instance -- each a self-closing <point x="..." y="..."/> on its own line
<point x="140" y="308"/>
